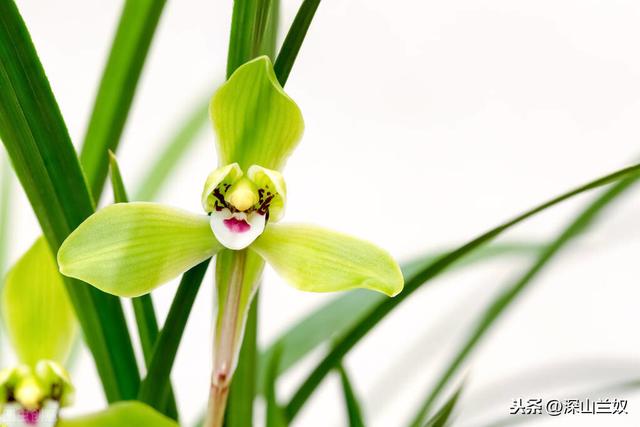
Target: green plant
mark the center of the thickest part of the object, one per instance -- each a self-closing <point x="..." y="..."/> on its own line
<point x="126" y="250"/>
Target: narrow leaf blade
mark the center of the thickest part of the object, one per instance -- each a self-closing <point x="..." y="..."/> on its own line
<point x="136" y="28"/>
<point x="293" y="42"/>
<point x="510" y="293"/>
<point x="380" y="311"/>
<point x="442" y="417"/>
<point x="156" y="386"/>
<point x="351" y="401"/>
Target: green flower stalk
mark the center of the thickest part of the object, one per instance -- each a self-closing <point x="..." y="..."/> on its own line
<point x="130" y="249"/>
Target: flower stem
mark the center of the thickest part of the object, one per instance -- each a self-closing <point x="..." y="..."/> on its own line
<point x="226" y="342"/>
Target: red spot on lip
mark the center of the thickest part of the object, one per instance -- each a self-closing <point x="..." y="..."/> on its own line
<point x="237" y="225"/>
<point x="30" y="417"/>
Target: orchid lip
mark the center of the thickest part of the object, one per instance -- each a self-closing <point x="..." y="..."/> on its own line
<point x="237" y="225"/>
<point x="30" y="417"/>
<point x="237" y="230"/>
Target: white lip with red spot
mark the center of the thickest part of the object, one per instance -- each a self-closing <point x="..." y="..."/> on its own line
<point x="14" y="415"/>
<point x="237" y="230"/>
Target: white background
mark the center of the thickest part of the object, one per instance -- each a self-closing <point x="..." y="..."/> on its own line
<point x="427" y="123"/>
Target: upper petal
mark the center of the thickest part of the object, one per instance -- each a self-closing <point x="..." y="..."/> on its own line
<point x="255" y="120"/>
<point x="274" y="190"/>
<point x="37" y="312"/>
<point x="128" y="249"/>
<point x="225" y="175"/>
<point x="319" y="260"/>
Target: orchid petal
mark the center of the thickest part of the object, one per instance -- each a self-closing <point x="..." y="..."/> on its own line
<point x="318" y="260"/>
<point x="37" y="312"/>
<point x="270" y="181"/>
<point x="255" y="120"/>
<point x="121" y="414"/>
<point x="56" y="381"/>
<point x="225" y="175"/>
<point x="128" y="249"/>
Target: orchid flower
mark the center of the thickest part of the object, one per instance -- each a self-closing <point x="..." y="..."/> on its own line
<point x="130" y="249"/>
<point x="42" y="329"/>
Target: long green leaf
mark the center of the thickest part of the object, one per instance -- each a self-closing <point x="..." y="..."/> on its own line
<point x="353" y="336"/>
<point x="129" y="49"/>
<point x="275" y="413"/>
<point x="156" y="386"/>
<point x="174" y="151"/>
<point x="143" y="306"/>
<point x="443" y="415"/>
<point x="38" y="143"/>
<point x="250" y="31"/>
<point x="505" y="298"/>
<point x="293" y="42"/>
<point x="117" y="184"/>
<point x="5" y="210"/>
<point x="343" y="312"/>
<point x="354" y="411"/>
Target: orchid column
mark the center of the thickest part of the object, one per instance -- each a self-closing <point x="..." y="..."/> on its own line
<point x="129" y="249"/>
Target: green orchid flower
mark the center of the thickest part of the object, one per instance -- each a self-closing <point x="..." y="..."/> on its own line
<point x="42" y="330"/>
<point x="130" y="249"/>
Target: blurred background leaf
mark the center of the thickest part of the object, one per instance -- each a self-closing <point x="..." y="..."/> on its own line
<point x="338" y="316"/>
<point x="345" y="343"/>
<point x="5" y="210"/>
<point x="178" y="146"/>
<point x="510" y="293"/>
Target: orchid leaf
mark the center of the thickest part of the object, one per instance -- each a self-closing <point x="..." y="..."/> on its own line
<point x="354" y="410"/>
<point x="275" y="413"/>
<point x="129" y="413"/>
<point x="443" y="415"/>
<point x="128" y="249"/>
<point x="242" y="393"/>
<point x="36" y="309"/>
<point x="136" y="28"/>
<point x="293" y="42"/>
<point x="143" y="306"/>
<point x="157" y="385"/>
<point x="253" y="28"/>
<point x="318" y="260"/>
<point x="255" y="120"/>
<point x="504" y="300"/>
<point x="423" y="275"/>
<point x="344" y="311"/>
